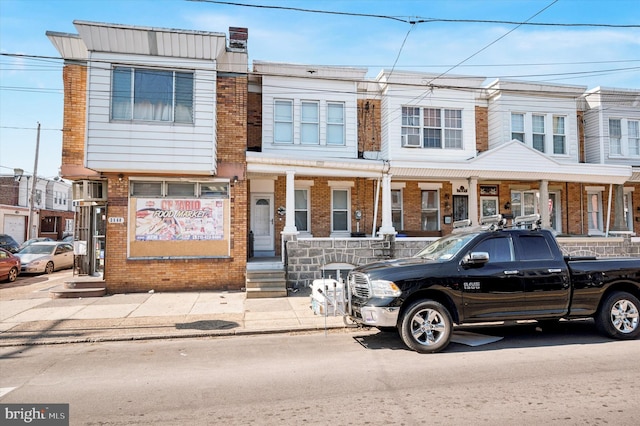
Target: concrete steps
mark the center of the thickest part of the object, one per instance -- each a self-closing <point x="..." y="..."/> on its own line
<point x="79" y="288"/>
<point x="265" y="279"/>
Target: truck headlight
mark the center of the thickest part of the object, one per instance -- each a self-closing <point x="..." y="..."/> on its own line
<point x="384" y="288"/>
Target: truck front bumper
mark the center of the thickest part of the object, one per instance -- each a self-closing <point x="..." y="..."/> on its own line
<point x="375" y="316"/>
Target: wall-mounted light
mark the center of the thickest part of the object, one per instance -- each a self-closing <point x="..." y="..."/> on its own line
<point x="120" y="177"/>
<point x="507" y="205"/>
<point x="235" y="180"/>
<point x="282" y="211"/>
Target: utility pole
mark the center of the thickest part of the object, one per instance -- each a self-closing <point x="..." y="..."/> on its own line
<point x="32" y="227"/>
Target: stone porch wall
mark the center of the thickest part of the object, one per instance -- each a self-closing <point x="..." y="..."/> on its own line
<point x="306" y="258"/>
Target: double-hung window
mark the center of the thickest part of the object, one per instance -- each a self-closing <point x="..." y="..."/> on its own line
<point x="309" y="123"/>
<point x="517" y="127"/>
<point x="301" y="202"/>
<point x="615" y="136"/>
<point x="432" y="128"/>
<point x="537" y="122"/>
<point x="151" y="95"/>
<point x="396" y="208"/>
<point x="430" y="211"/>
<point x="634" y="137"/>
<point x="283" y="121"/>
<point x="335" y="123"/>
<point x="559" y="138"/>
<point x="340" y="210"/>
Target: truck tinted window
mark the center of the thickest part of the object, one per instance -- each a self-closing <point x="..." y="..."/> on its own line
<point x="499" y="249"/>
<point x="534" y="247"/>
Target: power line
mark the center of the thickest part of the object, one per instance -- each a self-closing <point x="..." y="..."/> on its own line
<point x="416" y="19"/>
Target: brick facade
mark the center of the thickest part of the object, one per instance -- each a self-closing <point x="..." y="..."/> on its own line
<point x="74" y="78"/>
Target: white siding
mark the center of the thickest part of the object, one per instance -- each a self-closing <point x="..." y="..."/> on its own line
<point x="157" y="147"/>
<point x="501" y="107"/>
<point x="397" y="96"/>
<point x="593" y="141"/>
<point x="309" y="89"/>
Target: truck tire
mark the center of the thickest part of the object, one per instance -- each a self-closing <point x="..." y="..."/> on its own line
<point x="426" y="326"/>
<point x="618" y="316"/>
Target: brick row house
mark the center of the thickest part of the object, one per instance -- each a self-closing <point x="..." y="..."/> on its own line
<point x="188" y="168"/>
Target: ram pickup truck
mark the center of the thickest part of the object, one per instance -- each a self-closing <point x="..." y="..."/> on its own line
<point x="493" y="275"/>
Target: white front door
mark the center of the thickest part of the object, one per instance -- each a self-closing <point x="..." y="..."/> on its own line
<point x="262" y="222"/>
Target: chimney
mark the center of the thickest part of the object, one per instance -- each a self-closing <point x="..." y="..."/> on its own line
<point x="238" y="39"/>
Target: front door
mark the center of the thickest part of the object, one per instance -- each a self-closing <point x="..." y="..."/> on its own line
<point x="262" y="224"/>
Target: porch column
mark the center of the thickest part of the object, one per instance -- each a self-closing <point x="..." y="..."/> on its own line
<point x="473" y="200"/>
<point x="545" y="216"/>
<point x="290" y="219"/>
<point x="387" y="222"/>
<point x="618" y="209"/>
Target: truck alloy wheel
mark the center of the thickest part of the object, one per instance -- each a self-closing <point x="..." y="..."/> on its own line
<point x="426" y="326"/>
<point x="618" y="316"/>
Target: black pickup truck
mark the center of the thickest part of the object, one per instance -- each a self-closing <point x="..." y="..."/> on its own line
<point x="493" y="275"/>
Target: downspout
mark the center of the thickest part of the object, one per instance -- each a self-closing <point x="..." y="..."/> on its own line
<point x="609" y="210"/>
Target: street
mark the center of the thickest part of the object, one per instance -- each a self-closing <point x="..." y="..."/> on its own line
<point x="571" y="376"/>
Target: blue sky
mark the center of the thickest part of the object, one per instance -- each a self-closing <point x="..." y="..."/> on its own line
<point x="31" y="88"/>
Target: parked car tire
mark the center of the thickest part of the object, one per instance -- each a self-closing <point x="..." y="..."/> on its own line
<point x="618" y="316"/>
<point x="426" y="326"/>
<point x="49" y="268"/>
<point x="13" y="274"/>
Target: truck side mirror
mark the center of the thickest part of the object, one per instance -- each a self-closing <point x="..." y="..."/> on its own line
<point x="476" y="258"/>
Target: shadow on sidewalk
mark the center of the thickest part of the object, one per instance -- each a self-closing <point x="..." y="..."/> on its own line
<point x="207" y="325"/>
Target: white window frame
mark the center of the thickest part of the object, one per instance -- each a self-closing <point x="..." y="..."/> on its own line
<point x="518" y="127"/>
<point x="430" y="210"/>
<point x="538" y="140"/>
<point x="633" y="136"/>
<point x="347" y="211"/>
<point x="397" y="207"/>
<point x="309" y="124"/>
<point x="335" y="125"/>
<point x="283" y="122"/>
<point x="615" y="139"/>
<point x="594" y="211"/>
<point x="628" y="208"/>
<point x="559" y="134"/>
<point x="448" y="128"/>
<point x="123" y="106"/>
<point x="306" y="210"/>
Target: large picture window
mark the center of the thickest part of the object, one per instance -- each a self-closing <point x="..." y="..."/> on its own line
<point x="151" y="95"/>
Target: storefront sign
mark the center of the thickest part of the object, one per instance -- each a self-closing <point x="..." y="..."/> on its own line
<point x="179" y="219"/>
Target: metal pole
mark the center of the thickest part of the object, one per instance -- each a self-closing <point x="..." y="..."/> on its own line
<point x="32" y="227"/>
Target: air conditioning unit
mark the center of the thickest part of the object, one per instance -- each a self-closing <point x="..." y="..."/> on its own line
<point x="90" y="190"/>
<point x="411" y="141"/>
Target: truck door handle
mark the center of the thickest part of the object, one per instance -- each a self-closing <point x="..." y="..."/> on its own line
<point x="555" y="270"/>
<point x="514" y="272"/>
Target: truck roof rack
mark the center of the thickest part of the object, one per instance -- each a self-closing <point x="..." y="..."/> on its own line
<point x="531" y="221"/>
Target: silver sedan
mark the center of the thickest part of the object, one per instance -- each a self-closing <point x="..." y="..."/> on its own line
<point x="46" y="257"/>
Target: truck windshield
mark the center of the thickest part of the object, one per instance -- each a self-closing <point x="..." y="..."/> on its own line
<point x="445" y="248"/>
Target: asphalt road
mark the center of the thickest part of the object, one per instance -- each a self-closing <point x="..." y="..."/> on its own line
<point x="567" y="377"/>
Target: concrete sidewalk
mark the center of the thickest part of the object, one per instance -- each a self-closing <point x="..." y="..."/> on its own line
<point x="136" y="316"/>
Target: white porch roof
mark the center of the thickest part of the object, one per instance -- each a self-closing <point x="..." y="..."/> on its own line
<point x="512" y="161"/>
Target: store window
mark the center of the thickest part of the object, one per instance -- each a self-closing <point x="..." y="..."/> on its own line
<point x="174" y="219"/>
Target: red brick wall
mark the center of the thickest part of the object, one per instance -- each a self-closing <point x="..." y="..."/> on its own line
<point x="369" y="121"/>
<point x="141" y="275"/>
<point x="74" y="79"/>
<point x="482" y="128"/>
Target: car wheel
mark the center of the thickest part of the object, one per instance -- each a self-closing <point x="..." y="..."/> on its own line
<point x="426" y="326"/>
<point x="618" y="316"/>
<point x="49" y="268"/>
<point x="13" y="275"/>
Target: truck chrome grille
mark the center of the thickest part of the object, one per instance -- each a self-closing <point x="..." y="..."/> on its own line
<point x="359" y="285"/>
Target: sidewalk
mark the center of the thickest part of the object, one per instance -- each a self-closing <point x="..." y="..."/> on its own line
<point x="137" y="316"/>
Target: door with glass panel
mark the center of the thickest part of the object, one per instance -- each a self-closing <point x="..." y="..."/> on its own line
<point x="262" y="222"/>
